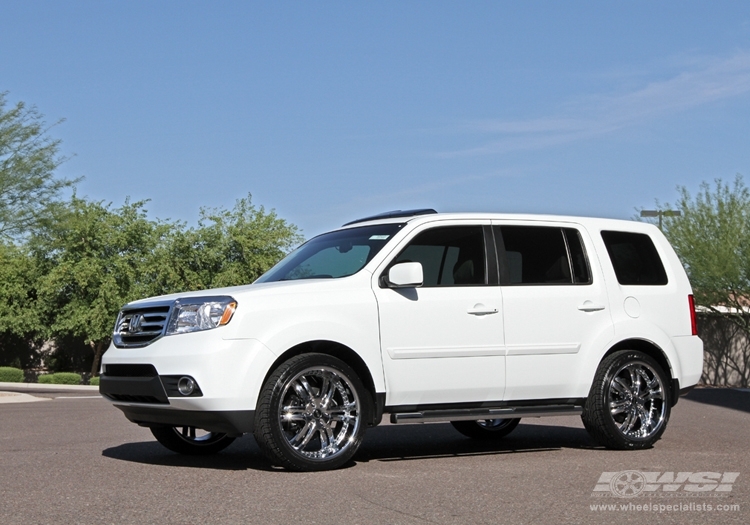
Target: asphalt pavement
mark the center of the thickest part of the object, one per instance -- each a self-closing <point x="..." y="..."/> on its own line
<point x="74" y="458"/>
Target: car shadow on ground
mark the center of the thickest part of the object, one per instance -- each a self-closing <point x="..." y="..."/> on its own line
<point x="722" y="397"/>
<point x="414" y="442"/>
<point x="382" y="443"/>
<point x="243" y="454"/>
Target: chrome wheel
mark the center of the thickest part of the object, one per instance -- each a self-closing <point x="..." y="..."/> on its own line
<point x="197" y="436"/>
<point x="191" y="440"/>
<point x="636" y="400"/>
<point x="628" y="405"/>
<point x="486" y="428"/>
<point x="319" y="413"/>
<point x="494" y="424"/>
<point x="312" y="413"/>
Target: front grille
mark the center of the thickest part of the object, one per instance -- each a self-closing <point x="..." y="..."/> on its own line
<point x="140" y="326"/>
<point x="132" y="383"/>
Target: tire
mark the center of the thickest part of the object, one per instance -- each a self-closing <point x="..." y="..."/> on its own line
<point x="191" y="441"/>
<point x="486" y="428"/>
<point x="629" y="404"/>
<point x="311" y="413"/>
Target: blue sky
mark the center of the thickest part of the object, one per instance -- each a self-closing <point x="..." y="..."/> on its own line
<point x="329" y="111"/>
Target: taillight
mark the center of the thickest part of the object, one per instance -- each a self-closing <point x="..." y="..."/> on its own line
<point x="693" y="321"/>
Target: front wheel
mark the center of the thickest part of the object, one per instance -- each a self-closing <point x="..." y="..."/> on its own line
<point x="486" y="428"/>
<point x="311" y="413"/>
<point x="629" y="403"/>
<point x="191" y="441"/>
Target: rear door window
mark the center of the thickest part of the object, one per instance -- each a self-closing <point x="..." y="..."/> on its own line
<point x="541" y="255"/>
<point x="634" y="258"/>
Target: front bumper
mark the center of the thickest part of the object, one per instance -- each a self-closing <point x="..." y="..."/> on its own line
<point x="231" y="422"/>
<point x="229" y="374"/>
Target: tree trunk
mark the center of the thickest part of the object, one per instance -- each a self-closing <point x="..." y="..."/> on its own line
<point x="98" y="348"/>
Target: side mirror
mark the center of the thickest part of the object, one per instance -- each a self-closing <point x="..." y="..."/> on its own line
<point x="405" y="275"/>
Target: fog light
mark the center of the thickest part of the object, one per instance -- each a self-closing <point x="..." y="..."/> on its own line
<point x="186" y="386"/>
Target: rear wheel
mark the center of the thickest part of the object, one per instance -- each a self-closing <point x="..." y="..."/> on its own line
<point x="628" y="406"/>
<point x="311" y="413"/>
<point x="191" y="441"/>
<point x="486" y="428"/>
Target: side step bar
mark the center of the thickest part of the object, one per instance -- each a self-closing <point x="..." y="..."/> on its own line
<point x="470" y="414"/>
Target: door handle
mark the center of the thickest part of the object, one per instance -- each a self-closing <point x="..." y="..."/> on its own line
<point x="589" y="306"/>
<point x="480" y="309"/>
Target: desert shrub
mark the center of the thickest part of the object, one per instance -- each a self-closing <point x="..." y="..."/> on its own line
<point x="61" y="378"/>
<point x="9" y="374"/>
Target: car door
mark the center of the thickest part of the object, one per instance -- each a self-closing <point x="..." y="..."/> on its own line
<point x="555" y="308"/>
<point x="442" y="342"/>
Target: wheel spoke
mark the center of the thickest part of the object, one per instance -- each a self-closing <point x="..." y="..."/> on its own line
<point x="292" y="413"/>
<point x="645" y="418"/>
<point x="618" y="407"/>
<point x="619" y="386"/>
<point x="304" y="435"/>
<point x="635" y="384"/>
<point x="325" y="386"/>
<point x="630" y="420"/>
<point x="653" y="394"/>
<point x="188" y="432"/>
<point x="323" y="432"/>
<point x="332" y="445"/>
<point x="644" y="375"/>
<point x="308" y="389"/>
<point x="349" y="407"/>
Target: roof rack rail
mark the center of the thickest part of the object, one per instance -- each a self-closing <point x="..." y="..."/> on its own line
<point x="394" y="214"/>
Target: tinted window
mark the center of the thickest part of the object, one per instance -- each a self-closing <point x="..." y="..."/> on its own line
<point x="539" y="255"/>
<point x="634" y="258"/>
<point x="335" y="254"/>
<point x="451" y="256"/>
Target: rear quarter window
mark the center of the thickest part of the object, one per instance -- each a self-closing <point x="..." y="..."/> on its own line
<point x="634" y="258"/>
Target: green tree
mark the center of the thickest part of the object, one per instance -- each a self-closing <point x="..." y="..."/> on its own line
<point x="712" y="239"/>
<point x="28" y="159"/>
<point x="91" y="260"/>
<point x="17" y="291"/>
<point x="228" y="248"/>
<point x="20" y="326"/>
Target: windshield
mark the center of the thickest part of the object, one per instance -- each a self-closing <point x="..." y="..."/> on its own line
<point x="336" y="254"/>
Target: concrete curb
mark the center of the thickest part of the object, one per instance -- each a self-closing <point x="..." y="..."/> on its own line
<point x="36" y="387"/>
<point x="15" y="397"/>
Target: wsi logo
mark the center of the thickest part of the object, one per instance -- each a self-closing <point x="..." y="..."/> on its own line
<point x="631" y="483"/>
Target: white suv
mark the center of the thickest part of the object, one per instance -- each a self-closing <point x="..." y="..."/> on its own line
<point x="476" y="319"/>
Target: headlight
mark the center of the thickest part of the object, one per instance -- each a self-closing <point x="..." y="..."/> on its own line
<point x="200" y="313"/>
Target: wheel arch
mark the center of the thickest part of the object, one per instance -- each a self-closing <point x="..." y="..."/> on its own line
<point x="348" y="356"/>
<point x="652" y="350"/>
